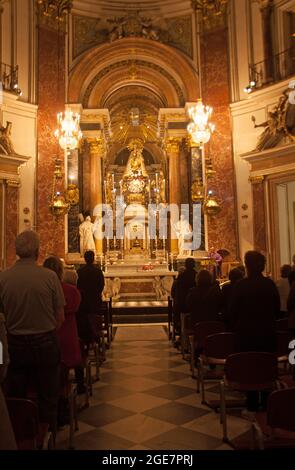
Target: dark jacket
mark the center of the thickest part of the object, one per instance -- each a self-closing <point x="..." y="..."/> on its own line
<point x="183" y="284"/>
<point x="90" y="284"/>
<point x="253" y="310"/>
<point x="204" y="304"/>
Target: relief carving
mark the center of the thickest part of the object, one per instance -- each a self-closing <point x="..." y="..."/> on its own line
<point x="280" y="124"/>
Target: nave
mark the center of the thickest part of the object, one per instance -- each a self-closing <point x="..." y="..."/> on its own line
<point x="146" y="399"/>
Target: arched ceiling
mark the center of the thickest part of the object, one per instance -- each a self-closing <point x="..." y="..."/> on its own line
<point x="154" y="66"/>
<point x="147" y="6"/>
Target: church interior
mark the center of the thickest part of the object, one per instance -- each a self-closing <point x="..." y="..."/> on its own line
<point x="150" y="132"/>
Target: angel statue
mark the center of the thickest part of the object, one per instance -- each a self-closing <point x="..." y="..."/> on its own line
<point x="86" y="236"/>
<point x="274" y="126"/>
<point x="6" y="145"/>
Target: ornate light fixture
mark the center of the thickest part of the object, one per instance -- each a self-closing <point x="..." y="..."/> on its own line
<point x="211" y="205"/>
<point x="57" y="9"/>
<point x="68" y="132"/>
<point x="200" y="129"/>
<point x="59" y="205"/>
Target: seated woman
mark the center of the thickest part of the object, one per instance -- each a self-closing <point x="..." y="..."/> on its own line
<point x="204" y="300"/>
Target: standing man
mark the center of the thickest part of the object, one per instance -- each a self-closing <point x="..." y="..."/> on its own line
<point x="33" y="305"/>
<point x="91" y="285"/>
<point x="253" y="310"/>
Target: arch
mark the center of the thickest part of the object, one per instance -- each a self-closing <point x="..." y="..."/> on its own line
<point x="158" y="67"/>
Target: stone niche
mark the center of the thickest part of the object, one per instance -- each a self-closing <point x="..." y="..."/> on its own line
<point x="9" y="204"/>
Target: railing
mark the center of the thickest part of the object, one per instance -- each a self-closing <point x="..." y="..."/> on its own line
<point x="272" y="70"/>
<point x="9" y="78"/>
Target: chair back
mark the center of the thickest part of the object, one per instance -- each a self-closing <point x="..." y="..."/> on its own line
<point x="25" y="422"/>
<point x="220" y="345"/>
<point x="282" y="324"/>
<point x="206" y="328"/>
<point x="247" y="371"/>
<point x="281" y="409"/>
<point x="283" y="340"/>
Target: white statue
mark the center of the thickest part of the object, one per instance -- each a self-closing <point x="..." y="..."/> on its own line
<point x="184" y="234"/>
<point x="86" y="236"/>
<point x="112" y="289"/>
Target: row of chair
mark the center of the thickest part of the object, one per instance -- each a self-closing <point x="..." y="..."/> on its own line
<point x="213" y="357"/>
<point x="29" y="433"/>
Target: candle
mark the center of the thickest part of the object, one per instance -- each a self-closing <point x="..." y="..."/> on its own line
<point x="164" y="189"/>
<point x="121" y="188"/>
<point x="157" y="181"/>
<point x="113" y="180"/>
<point x="105" y="190"/>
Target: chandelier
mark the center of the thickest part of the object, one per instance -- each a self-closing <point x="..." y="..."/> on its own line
<point x="200" y="129"/>
<point x="68" y="132"/>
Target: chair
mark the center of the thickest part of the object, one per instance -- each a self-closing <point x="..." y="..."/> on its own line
<point x="197" y="340"/>
<point x="246" y="372"/>
<point x="216" y="349"/>
<point x="282" y="324"/>
<point x="185" y="333"/>
<point x="278" y="429"/>
<point x="282" y="352"/>
<point x="69" y="394"/>
<point x="171" y="329"/>
<point x="29" y="433"/>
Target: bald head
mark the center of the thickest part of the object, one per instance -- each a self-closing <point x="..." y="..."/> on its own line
<point x="27" y="244"/>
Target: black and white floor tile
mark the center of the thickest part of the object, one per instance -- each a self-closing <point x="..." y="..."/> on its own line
<point x="146" y="399"/>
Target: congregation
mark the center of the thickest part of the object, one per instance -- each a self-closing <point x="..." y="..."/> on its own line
<point x="50" y="315"/>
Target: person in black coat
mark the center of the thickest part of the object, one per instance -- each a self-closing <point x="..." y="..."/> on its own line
<point x="90" y="284"/>
<point x="254" y="307"/>
<point x="186" y="280"/>
<point x="235" y="275"/>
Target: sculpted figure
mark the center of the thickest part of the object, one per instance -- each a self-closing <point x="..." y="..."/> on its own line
<point x="6" y="145"/>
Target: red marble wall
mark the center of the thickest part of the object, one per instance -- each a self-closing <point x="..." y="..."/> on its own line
<point x="51" y="91"/>
<point x="222" y="229"/>
<point x="11" y="223"/>
<point x="259" y="219"/>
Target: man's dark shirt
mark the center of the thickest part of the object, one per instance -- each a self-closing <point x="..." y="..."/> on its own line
<point x="90" y="284"/>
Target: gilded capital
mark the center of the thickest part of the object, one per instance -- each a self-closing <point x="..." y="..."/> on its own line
<point x="13" y="183"/>
<point x="53" y="13"/>
<point x="97" y="147"/>
<point x="256" y="179"/>
<point x="172" y="145"/>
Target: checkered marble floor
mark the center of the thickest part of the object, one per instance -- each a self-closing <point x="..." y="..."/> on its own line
<point x="146" y="399"/>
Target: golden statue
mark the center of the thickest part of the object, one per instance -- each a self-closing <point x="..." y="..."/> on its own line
<point x="135" y="164"/>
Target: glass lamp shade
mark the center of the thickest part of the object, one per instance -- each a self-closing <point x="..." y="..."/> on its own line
<point x="200" y="129"/>
<point x="68" y="132"/>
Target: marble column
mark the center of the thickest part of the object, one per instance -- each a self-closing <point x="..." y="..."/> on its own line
<point x="11" y="220"/>
<point x="259" y="216"/>
<point x="173" y="154"/>
<point x="222" y="230"/>
<point x="51" y="92"/>
<point x="96" y="151"/>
